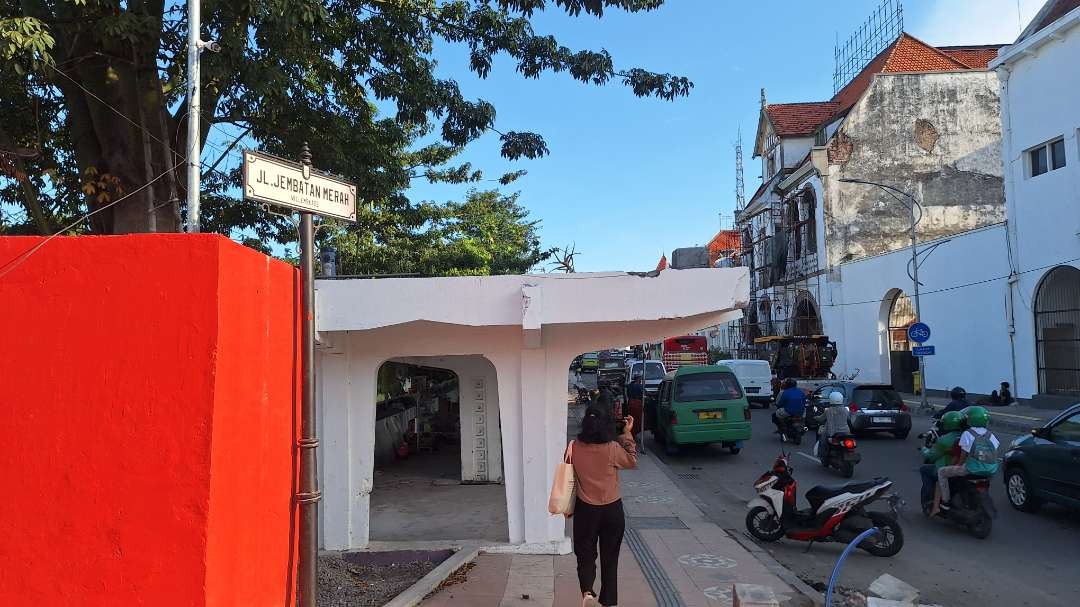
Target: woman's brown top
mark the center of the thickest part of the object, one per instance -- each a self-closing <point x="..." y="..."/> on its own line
<point x="596" y="468"/>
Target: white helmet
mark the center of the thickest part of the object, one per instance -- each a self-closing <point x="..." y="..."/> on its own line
<point x="836" y="398"/>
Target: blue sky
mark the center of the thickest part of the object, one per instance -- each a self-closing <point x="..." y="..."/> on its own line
<point x="629" y="179"/>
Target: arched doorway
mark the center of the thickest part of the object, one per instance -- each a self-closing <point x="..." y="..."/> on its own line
<point x="807" y="320"/>
<point x="902" y="364"/>
<point x="1057" y="331"/>
<point x="437" y="451"/>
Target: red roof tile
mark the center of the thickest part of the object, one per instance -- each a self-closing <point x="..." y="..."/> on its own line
<point x="909" y="54"/>
<point x="724" y="241"/>
<point x="975" y="57"/>
<point x="800" y="119"/>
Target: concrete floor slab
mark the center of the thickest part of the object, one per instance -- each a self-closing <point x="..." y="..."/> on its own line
<point x="421" y="499"/>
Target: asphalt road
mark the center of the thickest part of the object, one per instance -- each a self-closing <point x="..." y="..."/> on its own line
<point x="1029" y="559"/>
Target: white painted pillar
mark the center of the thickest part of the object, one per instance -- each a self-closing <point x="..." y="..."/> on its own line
<point x="363" y="371"/>
<point x="332" y="396"/>
<point x="508" y="369"/>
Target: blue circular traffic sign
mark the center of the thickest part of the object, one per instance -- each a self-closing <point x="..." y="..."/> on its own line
<point x="919" y="332"/>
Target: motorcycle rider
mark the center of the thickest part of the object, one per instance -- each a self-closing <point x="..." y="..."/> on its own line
<point x="833" y="421"/>
<point x="978" y="453"/>
<point x="958" y="403"/>
<point x="790" y="403"/>
<point x="940" y="454"/>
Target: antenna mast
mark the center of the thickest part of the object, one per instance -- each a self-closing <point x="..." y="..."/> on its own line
<point x="881" y="28"/>
<point x="740" y="186"/>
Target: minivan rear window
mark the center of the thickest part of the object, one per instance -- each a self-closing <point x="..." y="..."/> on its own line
<point x="877" y="398"/>
<point x="698" y="387"/>
<point x="653" y="371"/>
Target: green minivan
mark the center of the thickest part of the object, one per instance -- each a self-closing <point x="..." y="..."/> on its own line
<point x="701" y="405"/>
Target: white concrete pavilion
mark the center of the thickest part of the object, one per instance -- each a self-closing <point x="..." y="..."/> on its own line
<point x="510" y="340"/>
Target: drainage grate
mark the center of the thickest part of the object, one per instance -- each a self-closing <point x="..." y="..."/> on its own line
<point x="688" y="476"/>
<point x="659" y="582"/>
<point x="656" y="522"/>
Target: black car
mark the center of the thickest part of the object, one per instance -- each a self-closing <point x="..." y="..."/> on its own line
<point x="1045" y="466"/>
<point x="872" y="407"/>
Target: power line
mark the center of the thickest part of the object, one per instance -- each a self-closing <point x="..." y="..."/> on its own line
<point x="8" y="267"/>
<point x="959" y="286"/>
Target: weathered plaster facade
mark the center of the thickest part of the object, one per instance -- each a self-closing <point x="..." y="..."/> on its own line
<point x="936" y="135"/>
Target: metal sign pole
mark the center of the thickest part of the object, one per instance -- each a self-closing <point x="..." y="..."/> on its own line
<point x="194" y="123"/>
<point x="308" y="496"/>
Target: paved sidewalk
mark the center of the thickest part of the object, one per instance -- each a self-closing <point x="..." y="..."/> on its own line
<point x="672" y="556"/>
<point x="1017" y="418"/>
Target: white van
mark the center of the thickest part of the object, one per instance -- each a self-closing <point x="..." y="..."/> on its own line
<point x="755" y="376"/>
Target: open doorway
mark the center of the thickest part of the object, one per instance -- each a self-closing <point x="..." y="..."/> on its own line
<point x="438" y="452"/>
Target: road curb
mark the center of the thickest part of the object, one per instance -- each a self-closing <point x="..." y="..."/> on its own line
<point x="414" y="594"/>
<point x="999" y="422"/>
<point x="756" y="551"/>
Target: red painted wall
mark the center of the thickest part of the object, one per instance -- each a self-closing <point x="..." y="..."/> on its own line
<point x="149" y="394"/>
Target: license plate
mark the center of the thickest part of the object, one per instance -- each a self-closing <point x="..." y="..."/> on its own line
<point x="706" y="415"/>
<point x="753" y="390"/>
<point x="881" y="420"/>
<point x="684" y="356"/>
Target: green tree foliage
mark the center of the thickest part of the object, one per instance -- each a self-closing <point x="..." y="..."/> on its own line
<point x="489" y="233"/>
<point x="93" y="104"/>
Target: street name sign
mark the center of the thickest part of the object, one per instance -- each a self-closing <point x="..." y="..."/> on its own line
<point x="275" y="181"/>
<point x="922" y="351"/>
<point x="919" y="332"/>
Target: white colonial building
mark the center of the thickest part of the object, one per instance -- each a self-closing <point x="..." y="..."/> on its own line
<point x="1040" y="101"/>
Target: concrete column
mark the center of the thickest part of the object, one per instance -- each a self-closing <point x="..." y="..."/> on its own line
<point x="363" y="371"/>
<point x="332" y="398"/>
<point x="537" y="441"/>
<point x="508" y="369"/>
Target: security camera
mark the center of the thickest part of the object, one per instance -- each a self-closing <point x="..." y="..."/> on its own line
<point x="212" y="45"/>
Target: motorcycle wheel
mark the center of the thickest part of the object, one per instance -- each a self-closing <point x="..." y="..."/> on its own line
<point x="847" y="469"/>
<point x="981" y="526"/>
<point x="888" y="541"/>
<point x="763" y="525"/>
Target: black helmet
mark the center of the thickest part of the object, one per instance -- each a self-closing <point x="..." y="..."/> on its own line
<point x="958" y="393"/>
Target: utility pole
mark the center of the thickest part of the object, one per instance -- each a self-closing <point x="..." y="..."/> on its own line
<point x="923" y="404"/>
<point x="194" y="145"/>
<point x="309" y="494"/>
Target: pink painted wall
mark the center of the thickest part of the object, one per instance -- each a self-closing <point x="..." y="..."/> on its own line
<point x="149" y="392"/>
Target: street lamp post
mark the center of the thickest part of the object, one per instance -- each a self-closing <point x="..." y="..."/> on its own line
<point x="914" y="267"/>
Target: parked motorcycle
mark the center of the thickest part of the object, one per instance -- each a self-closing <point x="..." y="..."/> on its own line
<point x="837" y="451"/>
<point x="836" y="514"/>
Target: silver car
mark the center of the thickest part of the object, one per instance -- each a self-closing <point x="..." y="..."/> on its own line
<point x="871" y="407"/>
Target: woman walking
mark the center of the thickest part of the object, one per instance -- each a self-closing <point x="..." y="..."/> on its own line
<point x="598" y="455"/>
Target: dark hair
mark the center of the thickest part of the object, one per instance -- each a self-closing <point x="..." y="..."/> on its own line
<point x="597" y="427"/>
<point x="1004" y="384"/>
<point x="958" y="393"/>
<point x="789" y="383"/>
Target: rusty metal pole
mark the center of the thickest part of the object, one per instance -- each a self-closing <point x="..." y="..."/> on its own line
<point x="308" y="496"/>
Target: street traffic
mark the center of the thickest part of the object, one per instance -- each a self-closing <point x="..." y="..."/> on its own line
<point x="1028" y="559"/>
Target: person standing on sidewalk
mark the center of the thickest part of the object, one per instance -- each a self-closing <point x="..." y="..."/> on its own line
<point x="598" y="512"/>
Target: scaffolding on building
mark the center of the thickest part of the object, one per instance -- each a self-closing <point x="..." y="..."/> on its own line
<point x="779" y="246"/>
<point x="880" y="29"/>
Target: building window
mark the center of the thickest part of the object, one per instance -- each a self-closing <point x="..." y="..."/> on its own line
<point x="771" y="168"/>
<point x="1057" y="154"/>
<point x="1046" y="157"/>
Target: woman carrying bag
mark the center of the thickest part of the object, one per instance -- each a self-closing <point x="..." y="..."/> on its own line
<point x="597" y="455"/>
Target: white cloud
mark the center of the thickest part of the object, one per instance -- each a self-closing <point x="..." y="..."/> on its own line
<point x="952" y="22"/>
